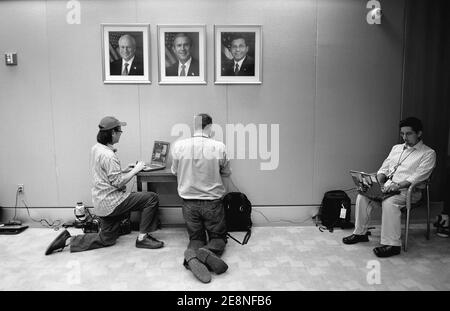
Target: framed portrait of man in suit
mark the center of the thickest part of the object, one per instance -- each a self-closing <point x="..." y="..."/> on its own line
<point x="125" y="53"/>
<point x="182" y="54"/>
<point x="238" y="54"/>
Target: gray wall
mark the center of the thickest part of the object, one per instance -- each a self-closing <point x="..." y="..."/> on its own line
<point x="331" y="81"/>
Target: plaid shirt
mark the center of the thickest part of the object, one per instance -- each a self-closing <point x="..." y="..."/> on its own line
<point x="107" y="176"/>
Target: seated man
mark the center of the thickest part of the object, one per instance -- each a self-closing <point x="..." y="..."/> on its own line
<point x="200" y="163"/>
<point x="407" y="163"/>
<point x="110" y="199"/>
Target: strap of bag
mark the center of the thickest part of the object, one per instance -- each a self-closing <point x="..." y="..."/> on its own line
<point x="230" y="180"/>
<point x="246" y="238"/>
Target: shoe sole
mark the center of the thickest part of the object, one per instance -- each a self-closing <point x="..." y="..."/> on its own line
<point x="350" y="243"/>
<point x="217" y="264"/>
<point x="199" y="270"/>
<point x="149" y="247"/>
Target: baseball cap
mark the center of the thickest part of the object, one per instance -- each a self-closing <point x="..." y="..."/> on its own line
<point x="108" y="123"/>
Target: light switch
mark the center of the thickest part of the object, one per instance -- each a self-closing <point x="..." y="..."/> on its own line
<point x="11" y="59"/>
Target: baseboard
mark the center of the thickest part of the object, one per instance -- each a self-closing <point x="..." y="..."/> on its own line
<point x="261" y="215"/>
<point x="298" y="215"/>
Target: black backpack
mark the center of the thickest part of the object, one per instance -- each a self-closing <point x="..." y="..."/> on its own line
<point x="335" y="204"/>
<point x="238" y="211"/>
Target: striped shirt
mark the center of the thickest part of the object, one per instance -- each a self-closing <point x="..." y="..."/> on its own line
<point x="199" y="163"/>
<point x="412" y="164"/>
<point x="107" y="176"/>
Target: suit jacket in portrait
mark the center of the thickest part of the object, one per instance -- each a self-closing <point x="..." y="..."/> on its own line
<point x="247" y="68"/>
<point x="137" y="67"/>
<point x="192" y="72"/>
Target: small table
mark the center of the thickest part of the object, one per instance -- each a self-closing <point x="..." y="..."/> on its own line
<point x="159" y="176"/>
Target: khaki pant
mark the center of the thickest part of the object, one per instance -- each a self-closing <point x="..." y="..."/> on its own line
<point x="390" y="219"/>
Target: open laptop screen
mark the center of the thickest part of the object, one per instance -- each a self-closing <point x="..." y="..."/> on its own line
<point x="160" y="153"/>
<point x="369" y="186"/>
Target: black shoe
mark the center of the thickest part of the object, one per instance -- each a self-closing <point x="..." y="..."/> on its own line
<point x="387" y="250"/>
<point x="59" y="243"/>
<point x="149" y="242"/>
<point x="355" y="238"/>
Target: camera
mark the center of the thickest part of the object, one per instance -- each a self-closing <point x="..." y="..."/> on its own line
<point x="92" y="225"/>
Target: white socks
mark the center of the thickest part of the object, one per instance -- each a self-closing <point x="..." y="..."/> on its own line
<point x="141" y="236"/>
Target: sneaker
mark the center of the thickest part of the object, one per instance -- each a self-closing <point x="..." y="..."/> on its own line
<point x="149" y="242"/>
<point x="442" y="226"/>
<point x="443" y="232"/>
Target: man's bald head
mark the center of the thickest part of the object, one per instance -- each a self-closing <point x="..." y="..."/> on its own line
<point x="127" y="47"/>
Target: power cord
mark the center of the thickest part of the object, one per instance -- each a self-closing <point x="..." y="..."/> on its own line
<point x="13" y="221"/>
<point x="281" y="220"/>
<point x="44" y="222"/>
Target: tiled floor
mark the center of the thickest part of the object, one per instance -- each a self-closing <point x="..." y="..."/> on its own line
<point x="276" y="258"/>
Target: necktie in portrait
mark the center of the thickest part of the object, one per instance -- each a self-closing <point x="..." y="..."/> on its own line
<point x="236" y="69"/>
<point x="125" y="70"/>
<point x="183" y="72"/>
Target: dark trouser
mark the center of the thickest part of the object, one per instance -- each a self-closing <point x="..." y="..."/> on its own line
<point x="147" y="202"/>
<point x="205" y="222"/>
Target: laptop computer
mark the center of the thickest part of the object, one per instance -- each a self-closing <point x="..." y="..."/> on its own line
<point x="11" y="229"/>
<point x="159" y="156"/>
<point x="369" y="186"/>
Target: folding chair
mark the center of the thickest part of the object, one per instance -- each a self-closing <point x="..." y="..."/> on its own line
<point x="425" y="188"/>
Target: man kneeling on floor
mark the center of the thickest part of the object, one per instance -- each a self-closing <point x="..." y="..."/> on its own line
<point x="407" y="163"/>
<point x="111" y="201"/>
<point x="200" y="163"/>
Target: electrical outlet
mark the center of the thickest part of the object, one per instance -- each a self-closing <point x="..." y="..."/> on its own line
<point x="20" y="187"/>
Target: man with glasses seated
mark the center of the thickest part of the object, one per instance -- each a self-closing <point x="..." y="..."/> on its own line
<point x="407" y="163"/>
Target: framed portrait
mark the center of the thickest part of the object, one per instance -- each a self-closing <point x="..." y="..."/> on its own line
<point x="182" y="54"/>
<point x="238" y="54"/>
<point x="125" y="53"/>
